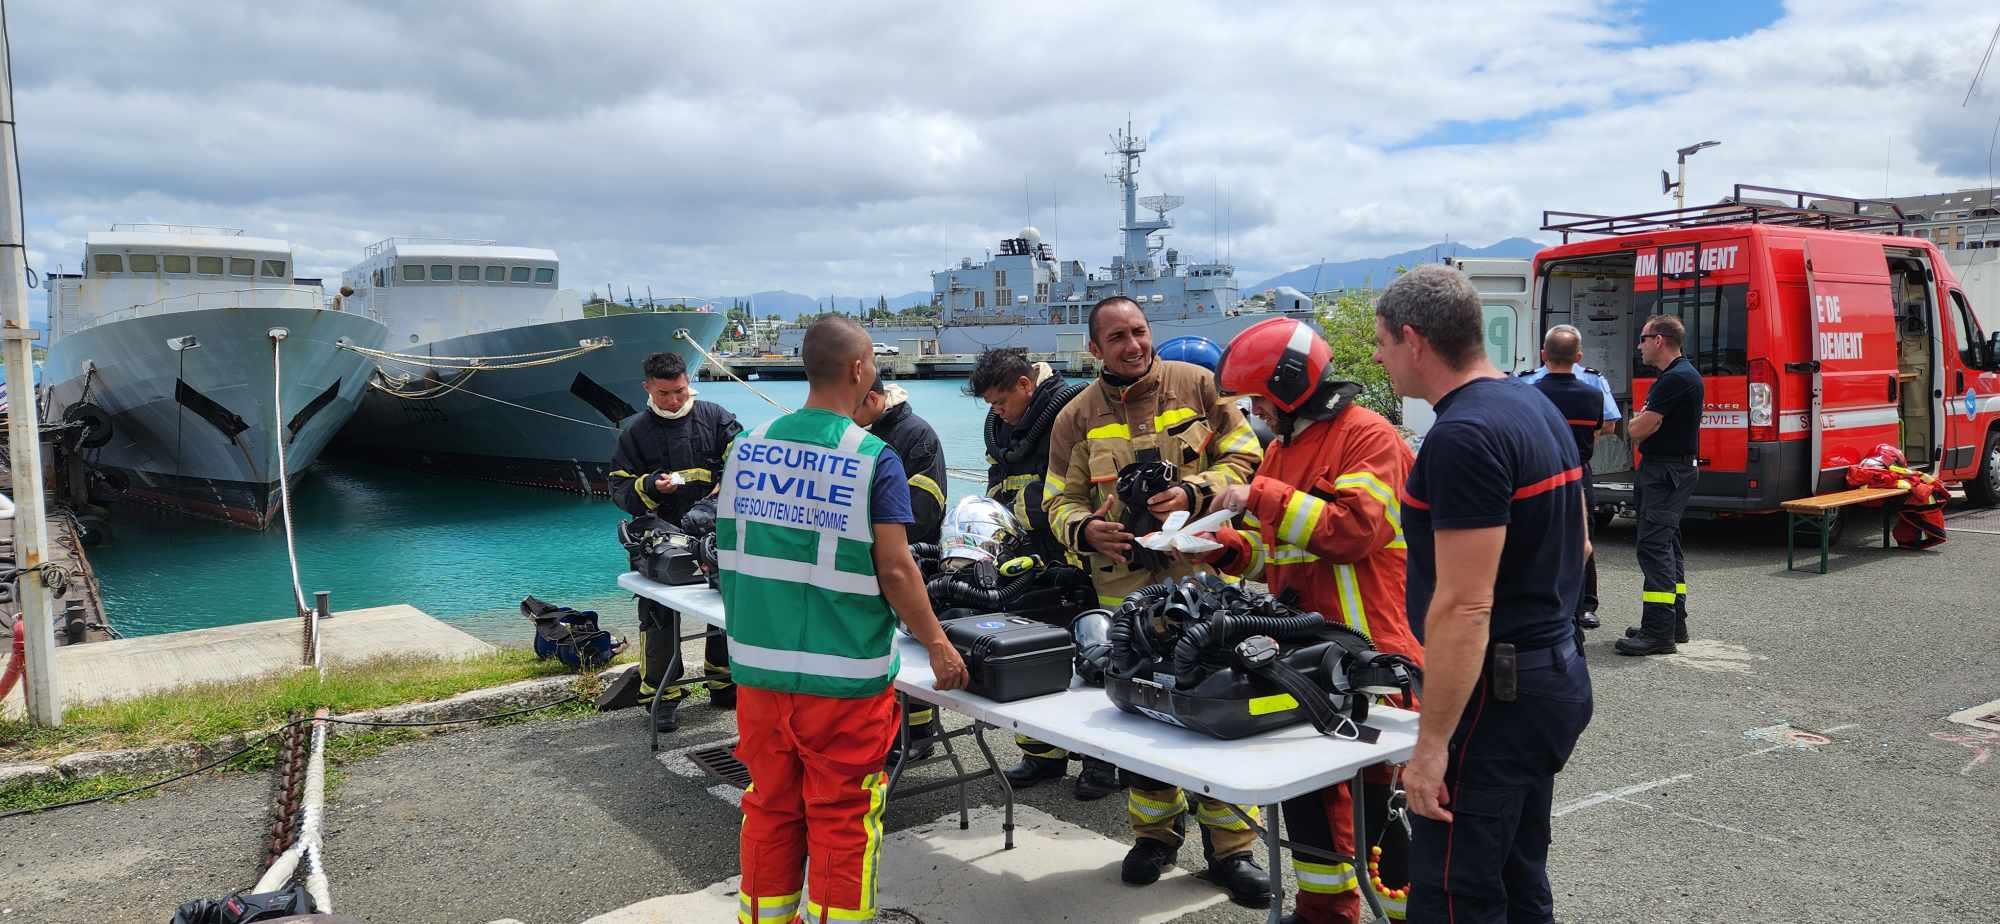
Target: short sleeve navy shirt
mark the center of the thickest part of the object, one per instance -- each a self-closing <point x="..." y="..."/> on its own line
<point x="1677" y="397"/>
<point x="889" y="491"/>
<point x="1501" y="455"/>
<point x="1581" y="405"/>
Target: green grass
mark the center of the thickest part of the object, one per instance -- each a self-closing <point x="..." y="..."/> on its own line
<point x="211" y="711"/>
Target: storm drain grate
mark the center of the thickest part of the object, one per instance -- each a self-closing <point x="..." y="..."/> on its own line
<point x="720" y="762"/>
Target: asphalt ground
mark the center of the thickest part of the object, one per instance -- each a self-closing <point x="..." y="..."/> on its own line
<point x="1687" y="799"/>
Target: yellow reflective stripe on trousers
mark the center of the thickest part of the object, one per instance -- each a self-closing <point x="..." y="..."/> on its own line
<point x="1223" y="818"/>
<point x="1350" y="599"/>
<point x="925" y="484"/>
<point x="1110" y="600"/>
<point x="1396" y="908"/>
<point x="1657" y="596"/>
<point x="1302" y="513"/>
<point x="871" y="825"/>
<point x="775" y="909"/>
<point x="1681" y="589"/>
<point x="1117" y="431"/>
<point x="1148" y="811"/>
<point x="1325" y="878"/>
<point x="1171" y="416"/>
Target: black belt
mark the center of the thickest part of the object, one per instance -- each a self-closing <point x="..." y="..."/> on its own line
<point x="1538" y="658"/>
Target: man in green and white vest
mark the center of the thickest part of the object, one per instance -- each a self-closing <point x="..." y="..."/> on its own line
<point x="815" y="568"/>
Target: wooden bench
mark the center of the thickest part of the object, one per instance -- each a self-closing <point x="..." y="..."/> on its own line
<point x="1819" y="511"/>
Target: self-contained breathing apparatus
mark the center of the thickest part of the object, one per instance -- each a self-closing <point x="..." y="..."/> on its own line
<point x="984" y="563"/>
<point x="570" y="636"/>
<point x="1213" y="657"/>
<point x="673" y="553"/>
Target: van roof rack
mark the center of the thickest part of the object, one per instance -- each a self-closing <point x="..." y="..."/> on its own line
<point x="1805" y="210"/>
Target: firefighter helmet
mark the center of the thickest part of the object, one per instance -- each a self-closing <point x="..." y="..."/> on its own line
<point x="1280" y="359"/>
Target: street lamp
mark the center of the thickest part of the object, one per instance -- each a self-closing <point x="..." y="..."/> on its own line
<point x="1677" y="187"/>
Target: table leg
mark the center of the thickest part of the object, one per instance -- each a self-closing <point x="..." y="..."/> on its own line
<point x="1356" y="790"/>
<point x="1791" y="537"/>
<point x="1274" y="850"/>
<point x="1826" y="536"/>
<point x="1006" y="788"/>
<point x="653" y="716"/>
<point x="902" y="741"/>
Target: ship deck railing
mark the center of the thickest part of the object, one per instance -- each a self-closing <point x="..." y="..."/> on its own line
<point x="298" y="297"/>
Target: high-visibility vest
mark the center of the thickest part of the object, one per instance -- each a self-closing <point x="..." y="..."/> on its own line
<point x="794" y="545"/>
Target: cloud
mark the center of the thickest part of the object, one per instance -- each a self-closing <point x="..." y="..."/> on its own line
<point x="853" y="148"/>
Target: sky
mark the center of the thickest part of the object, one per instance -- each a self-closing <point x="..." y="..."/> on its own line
<point x="722" y="148"/>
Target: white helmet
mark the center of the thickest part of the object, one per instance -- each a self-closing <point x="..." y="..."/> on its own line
<point x="977" y="529"/>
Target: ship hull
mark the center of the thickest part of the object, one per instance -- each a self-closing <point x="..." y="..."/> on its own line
<point x="196" y="431"/>
<point x="550" y="426"/>
<point x="1043" y="338"/>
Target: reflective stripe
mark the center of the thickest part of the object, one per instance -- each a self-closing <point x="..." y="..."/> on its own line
<point x="816" y="912"/>
<point x="782" y="909"/>
<point x="920" y="716"/>
<point x="1238" y="440"/>
<point x="799" y="572"/>
<point x="1037" y="748"/>
<point x="639" y="488"/>
<point x="1378" y="489"/>
<point x="1350" y="599"/>
<point x="1153" y="810"/>
<point x="1173" y="416"/>
<point x="808" y="662"/>
<point x="1681" y="589"/>
<point x="1302" y="513"/>
<point x="1222" y="818"/>
<point x="1109" y="431"/>
<point x="926" y="485"/>
<point x="1325" y="878"/>
<point x="877" y="787"/>
<point x="1055" y="484"/>
<point x="1657" y="596"/>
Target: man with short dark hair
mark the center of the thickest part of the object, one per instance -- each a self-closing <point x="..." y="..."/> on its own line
<point x="1157" y="422"/>
<point x="1582" y="403"/>
<point x="811" y="542"/>
<point x="1496" y="495"/>
<point x="1667" y="432"/>
<point x="669" y="456"/>
<point x="887" y="414"/>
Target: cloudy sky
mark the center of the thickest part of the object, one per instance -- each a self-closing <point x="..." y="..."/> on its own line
<point x="851" y="148"/>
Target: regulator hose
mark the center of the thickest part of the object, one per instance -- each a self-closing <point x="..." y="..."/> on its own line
<point x="925" y="550"/>
<point x="948" y="589"/>
<point x="1208" y="643"/>
<point x="1025" y="441"/>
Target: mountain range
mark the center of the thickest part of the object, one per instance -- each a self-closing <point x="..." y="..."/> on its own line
<point x="1377" y="271"/>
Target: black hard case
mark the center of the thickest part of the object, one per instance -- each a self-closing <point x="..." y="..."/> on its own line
<point x="1012" y="657"/>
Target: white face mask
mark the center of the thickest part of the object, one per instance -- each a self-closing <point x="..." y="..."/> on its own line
<point x="686" y="406"/>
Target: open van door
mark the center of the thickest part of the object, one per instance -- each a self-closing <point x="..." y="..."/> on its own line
<point x="1855" y="392"/>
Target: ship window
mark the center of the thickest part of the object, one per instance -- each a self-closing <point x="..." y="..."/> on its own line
<point x="177" y="264"/>
<point x="496" y="274"/>
<point x="468" y="274"/>
<point x="276" y="270"/>
<point x="378" y="279"/>
<point x="242" y="266"/>
<point x="109" y="263"/>
<point x="545" y="276"/>
<point x="208" y="266"/>
<point x="413" y="272"/>
<point x="999" y="278"/>
<point x="1003" y="297"/>
<point x="440" y="272"/>
<point x="144" y="262"/>
<point x="517" y="274"/>
<point x="979" y="298"/>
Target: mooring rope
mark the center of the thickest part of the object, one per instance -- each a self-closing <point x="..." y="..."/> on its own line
<point x="682" y="335"/>
<point x="277" y="335"/>
<point x="530" y="360"/>
<point x="307" y="848"/>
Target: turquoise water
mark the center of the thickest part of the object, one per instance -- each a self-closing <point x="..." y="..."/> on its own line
<point x="463" y="551"/>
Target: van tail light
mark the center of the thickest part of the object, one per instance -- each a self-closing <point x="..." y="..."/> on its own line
<point x="1763" y="401"/>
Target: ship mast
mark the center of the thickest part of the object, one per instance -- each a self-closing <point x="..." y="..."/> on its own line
<point x="1137" y="261"/>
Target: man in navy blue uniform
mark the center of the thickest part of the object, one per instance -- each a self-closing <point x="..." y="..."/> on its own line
<point x="1498" y="493"/>
<point x="1668" y="433"/>
<point x="1581" y="402"/>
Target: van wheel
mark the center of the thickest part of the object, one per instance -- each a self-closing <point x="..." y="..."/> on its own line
<point x="1983" y="488"/>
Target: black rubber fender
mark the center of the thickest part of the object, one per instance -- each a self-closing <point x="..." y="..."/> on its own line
<point x="96" y="423"/>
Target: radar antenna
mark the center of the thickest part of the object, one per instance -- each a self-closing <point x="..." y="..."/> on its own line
<point x="1161" y="205"/>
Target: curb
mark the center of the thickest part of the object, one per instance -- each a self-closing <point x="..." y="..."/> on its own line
<point x="166" y="759"/>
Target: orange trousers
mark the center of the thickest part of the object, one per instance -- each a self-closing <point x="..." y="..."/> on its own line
<point x="816" y="790"/>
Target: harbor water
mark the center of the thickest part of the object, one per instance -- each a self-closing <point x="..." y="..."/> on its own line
<point x="464" y="551"/>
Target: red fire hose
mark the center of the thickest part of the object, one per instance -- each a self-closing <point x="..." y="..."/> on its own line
<point x="15" y="664"/>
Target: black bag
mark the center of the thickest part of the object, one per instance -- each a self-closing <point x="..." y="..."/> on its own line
<point x="243" y="909"/>
<point x="659" y="551"/>
<point x="1012" y="657"/>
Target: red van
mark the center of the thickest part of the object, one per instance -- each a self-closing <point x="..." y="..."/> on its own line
<point x="1821" y="332"/>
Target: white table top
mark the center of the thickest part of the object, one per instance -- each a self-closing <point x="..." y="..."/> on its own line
<point x="1260" y="770"/>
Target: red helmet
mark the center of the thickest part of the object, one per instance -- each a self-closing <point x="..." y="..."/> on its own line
<point x="1281" y="359"/>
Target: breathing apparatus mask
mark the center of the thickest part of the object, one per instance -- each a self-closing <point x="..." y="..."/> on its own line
<point x="1137" y="484"/>
<point x="1215" y="658"/>
<point x="983" y="564"/>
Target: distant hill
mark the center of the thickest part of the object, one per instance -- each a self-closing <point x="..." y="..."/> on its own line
<point x="792" y="305"/>
<point x="1379" y="270"/>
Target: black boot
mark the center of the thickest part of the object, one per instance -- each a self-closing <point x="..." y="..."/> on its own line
<point x="1246" y="882"/>
<point x="922" y="740"/>
<point x="666" y="716"/>
<point x="1096" y="780"/>
<point x="1633" y="645"/>
<point x="1680" y="631"/>
<point x="1145" y="861"/>
<point x="1588" y="619"/>
<point x="722" y="697"/>
<point x="621" y="693"/>
<point x="1033" y="770"/>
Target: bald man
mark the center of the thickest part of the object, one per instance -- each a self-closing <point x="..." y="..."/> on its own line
<point x="1582" y="403"/>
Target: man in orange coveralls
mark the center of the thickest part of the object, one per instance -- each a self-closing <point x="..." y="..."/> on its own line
<point x="1323" y="526"/>
<point x="815" y="569"/>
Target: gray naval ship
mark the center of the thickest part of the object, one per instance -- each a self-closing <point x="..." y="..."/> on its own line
<point x="167" y="335"/>
<point x="493" y="372"/>
<point x="1026" y="296"/>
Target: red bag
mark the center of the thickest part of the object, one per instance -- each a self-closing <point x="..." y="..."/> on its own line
<point x="1920" y="522"/>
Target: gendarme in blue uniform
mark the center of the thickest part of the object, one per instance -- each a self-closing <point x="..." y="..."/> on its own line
<point x="1500" y="455"/>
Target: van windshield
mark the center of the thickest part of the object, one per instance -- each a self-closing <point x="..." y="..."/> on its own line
<point x="1717" y="321"/>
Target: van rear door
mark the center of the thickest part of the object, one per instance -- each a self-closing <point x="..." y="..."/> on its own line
<point x="1705" y="284"/>
<point x="1854" y="387"/>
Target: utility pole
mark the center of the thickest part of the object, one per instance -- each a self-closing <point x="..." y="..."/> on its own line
<point x="1679" y="185"/>
<point x="31" y="528"/>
